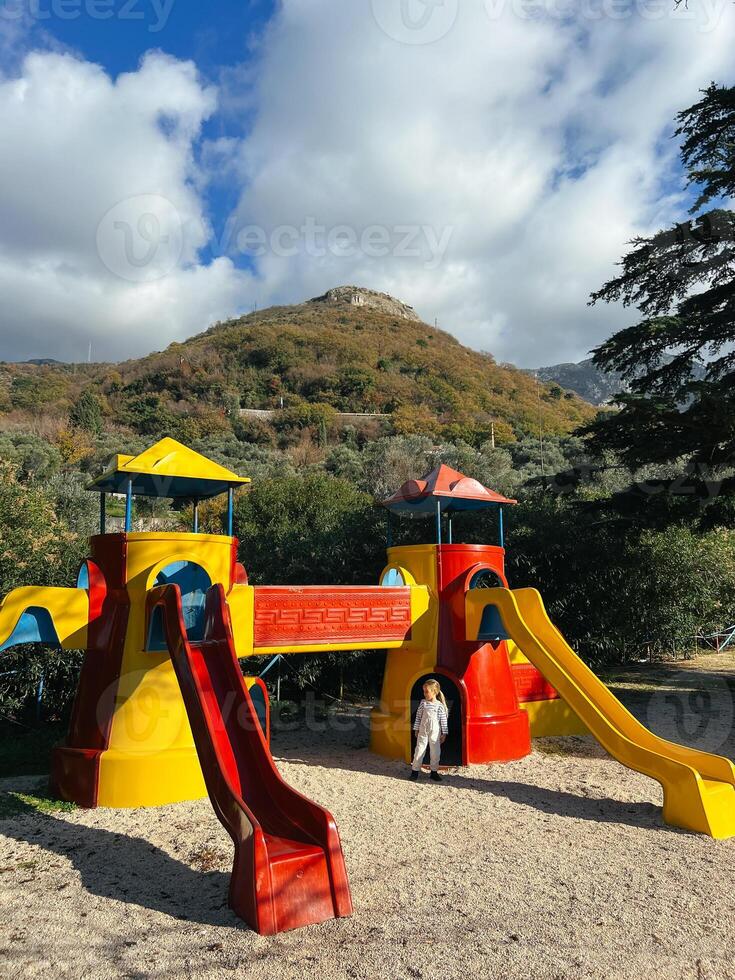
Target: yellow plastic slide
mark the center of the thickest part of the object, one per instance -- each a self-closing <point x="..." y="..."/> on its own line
<point x="699" y="788"/>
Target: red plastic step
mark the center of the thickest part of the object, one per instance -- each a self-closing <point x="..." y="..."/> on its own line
<point x="300" y="878"/>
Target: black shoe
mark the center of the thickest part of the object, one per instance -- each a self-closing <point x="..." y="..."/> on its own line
<point x="414" y="775"/>
<point x="436" y="777"/>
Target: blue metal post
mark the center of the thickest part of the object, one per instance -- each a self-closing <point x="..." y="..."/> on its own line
<point x="268" y="666"/>
<point x="196" y="517"/>
<point x="103" y="513"/>
<point x="450" y="541"/>
<point x="39" y="697"/>
<point x="438" y="522"/>
<point x="501" y="529"/>
<point x="129" y="507"/>
<point x="230" y="511"/>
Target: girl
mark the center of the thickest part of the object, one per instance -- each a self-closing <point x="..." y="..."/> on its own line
<point x="431" y="728"/>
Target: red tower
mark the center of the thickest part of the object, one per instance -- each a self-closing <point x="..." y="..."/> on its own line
<point x="490" y="724"/>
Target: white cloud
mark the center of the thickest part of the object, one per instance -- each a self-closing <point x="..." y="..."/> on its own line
<point x="539" y="142"/>
<point x="524" y="150"/>
<point x="101" y="219"/>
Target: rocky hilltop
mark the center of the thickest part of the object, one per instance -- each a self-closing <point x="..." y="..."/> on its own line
<point x="370" y="299"/>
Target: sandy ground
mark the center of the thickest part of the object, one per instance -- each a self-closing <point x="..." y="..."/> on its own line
<point x="557" y="866"/>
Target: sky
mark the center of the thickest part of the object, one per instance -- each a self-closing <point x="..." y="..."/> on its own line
<point x="166" y="164"/>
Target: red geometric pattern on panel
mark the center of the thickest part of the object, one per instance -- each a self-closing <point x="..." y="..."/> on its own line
<point x="531" y="685"/>
<point x="296" y="615"/>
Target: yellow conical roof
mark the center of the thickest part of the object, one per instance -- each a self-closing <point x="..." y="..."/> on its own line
<point x="168" y="469"/>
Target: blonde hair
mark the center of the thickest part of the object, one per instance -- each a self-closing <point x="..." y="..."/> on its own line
<point x="434" y="685"/>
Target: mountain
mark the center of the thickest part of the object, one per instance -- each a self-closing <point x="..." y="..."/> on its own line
<point x="589" y="382"/>
<point x="352" y="350"/>
<point x="594" y="386"/>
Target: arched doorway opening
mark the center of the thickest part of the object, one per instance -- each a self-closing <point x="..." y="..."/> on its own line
<point x="452" y="748"/>
<point x="193" y="581"/>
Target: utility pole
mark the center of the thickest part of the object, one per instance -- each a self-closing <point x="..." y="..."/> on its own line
<point x="492" y="434"/>
<point x="540" y="430"/>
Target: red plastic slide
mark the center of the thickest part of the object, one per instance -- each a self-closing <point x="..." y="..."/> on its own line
<point x="289" y="869"/>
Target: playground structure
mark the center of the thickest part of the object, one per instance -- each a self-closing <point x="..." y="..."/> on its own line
<point x="163" y="712"/>
<point x="718" y="641"/>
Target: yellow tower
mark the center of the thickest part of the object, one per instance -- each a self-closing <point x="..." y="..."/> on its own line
<point x="130" y="743"/>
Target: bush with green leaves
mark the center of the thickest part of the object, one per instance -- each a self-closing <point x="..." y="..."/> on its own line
<point x="346" y="463"/>
<point x="37" y="547"/>
<point x="305" y="415"/>
<point x="616" y="590"/>
<point x="315" y="530"/>
<point x="32" y="456"/>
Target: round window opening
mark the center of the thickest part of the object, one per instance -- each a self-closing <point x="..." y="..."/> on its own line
<point x="486" y="578"/>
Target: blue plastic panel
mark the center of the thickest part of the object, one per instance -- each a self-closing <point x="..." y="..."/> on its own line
<point x="492" y="627"/>
<point x="34" y="626"/>
<point x="193" y="582"/>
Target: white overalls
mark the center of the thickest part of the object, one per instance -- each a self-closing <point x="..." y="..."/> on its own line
<point x="430" y="725"/>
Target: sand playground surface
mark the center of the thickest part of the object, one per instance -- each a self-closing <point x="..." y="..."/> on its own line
<point x="556" y="866"/>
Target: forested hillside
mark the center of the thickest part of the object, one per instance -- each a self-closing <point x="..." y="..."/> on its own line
<point x="340" y="357"/>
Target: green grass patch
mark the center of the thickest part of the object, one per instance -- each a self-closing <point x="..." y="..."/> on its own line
<point x="13" y="803"/>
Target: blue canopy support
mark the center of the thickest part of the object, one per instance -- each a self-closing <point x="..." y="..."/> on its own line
<point x="445" y="491"/>
<point x="501" y="528"/>
<point x="426" y="506"/>
<point x="129" y="506"/>
<point x="230" y="511"/>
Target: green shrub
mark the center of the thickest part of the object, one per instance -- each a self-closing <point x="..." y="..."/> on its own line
<point x="37" y="547"/>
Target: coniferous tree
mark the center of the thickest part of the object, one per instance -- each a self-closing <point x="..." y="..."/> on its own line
<point x="86" y="413"/>
<point x="679" y="359"/>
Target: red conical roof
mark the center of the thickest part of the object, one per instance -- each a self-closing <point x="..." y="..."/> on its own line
<point x="452" y="489"/>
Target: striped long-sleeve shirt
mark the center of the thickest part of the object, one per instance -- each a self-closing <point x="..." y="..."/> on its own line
<point x="429" y="714"/>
